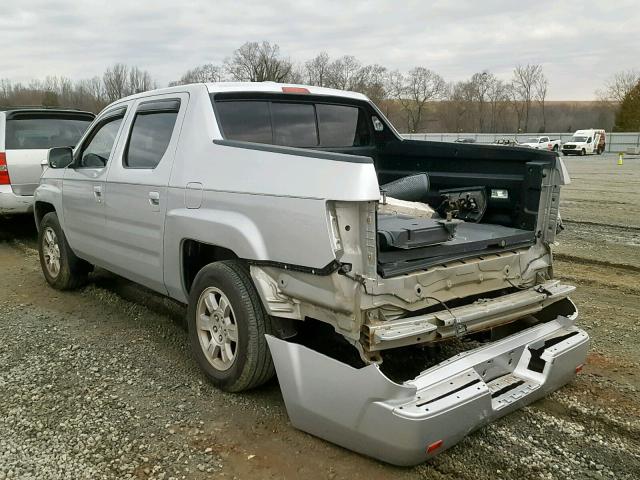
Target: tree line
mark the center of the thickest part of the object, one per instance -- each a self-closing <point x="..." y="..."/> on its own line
<point x="417" y="100"/>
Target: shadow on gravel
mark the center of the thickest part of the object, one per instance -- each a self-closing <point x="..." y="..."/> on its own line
<point x="18" y="227"/>
<point x="135" y="293"/>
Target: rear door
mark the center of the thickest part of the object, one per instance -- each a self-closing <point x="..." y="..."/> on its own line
<point x="29" y="135"/>
<point x="137" y="185"/>
<point x="83" y="188"/>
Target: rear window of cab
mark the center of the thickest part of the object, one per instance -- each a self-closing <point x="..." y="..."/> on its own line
<point x="293" y="124"/>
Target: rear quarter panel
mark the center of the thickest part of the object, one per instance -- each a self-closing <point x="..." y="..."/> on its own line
<point x="261" y="205"/>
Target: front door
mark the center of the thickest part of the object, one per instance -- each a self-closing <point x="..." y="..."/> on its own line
<point x="83" y="190"/>
<point x="137" y="185"/>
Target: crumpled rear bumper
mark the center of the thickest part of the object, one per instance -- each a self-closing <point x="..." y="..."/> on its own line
<point x="361" y="409"/>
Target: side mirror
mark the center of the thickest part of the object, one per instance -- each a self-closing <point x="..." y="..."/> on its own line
<point x="60" y="157"/>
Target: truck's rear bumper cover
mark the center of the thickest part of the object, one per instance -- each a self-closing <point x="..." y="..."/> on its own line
<point x="361" y="409"/>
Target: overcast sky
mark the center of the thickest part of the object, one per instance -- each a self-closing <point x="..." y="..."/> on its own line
<point x="579" y="43"/>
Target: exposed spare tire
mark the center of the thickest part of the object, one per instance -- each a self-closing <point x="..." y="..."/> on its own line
<point x="413" y="188"/>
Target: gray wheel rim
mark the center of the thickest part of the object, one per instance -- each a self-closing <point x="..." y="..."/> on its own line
<point x="217" y="328"/>
<point x="51" y="252"/>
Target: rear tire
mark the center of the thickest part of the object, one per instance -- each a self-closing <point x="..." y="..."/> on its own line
<point x="60" y="266"/>
<point x="227" y="326"/>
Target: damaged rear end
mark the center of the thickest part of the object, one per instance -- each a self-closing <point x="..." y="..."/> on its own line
<point x="457" y="250"/>
<point x="407" y="423"/>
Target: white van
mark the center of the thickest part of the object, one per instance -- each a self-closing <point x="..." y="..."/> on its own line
<point x="585" y="142"/>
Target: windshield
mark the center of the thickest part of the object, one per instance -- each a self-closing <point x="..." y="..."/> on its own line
<point x="40" y="132"/>
<point x="579" y="139"/>
<point x="532" y="140"/>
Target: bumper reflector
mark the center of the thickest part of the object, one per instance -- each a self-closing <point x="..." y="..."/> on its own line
<point x="434" y="446"/>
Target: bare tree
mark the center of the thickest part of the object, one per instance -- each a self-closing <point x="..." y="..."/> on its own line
<point x="115" y="80"/>
<point x="540" y="95"/>
<point x="317" y="70"/>
<point x="92" y="93"/>
<point x="258" y="62"/>
<point x="139" y="81"/>
<point x="618" y="85"/>
<point x="458" y="115"/>
<point x="480" y="85"/>
<point x="344" y="73"/>
<point x="414" y="90"/>
<point x="513" y="97"/>
<point x="525" y="79"/>
<point x="201" y="74"/>
<point x="498" y="97"/>
<point x="121" y="80"/>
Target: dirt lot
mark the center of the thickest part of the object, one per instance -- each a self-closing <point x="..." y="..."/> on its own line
<point x="99" y="383"/>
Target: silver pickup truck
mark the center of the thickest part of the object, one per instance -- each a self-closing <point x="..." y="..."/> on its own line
<point x="270" y="208"/>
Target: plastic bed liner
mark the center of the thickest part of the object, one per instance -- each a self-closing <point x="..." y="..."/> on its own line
<point x="471" y="239"/>
<point x="405" y="424"/>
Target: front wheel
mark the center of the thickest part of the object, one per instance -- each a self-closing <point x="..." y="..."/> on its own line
<point x="61" y="268"/>
<point x="583" y="152"/>
<point x="227" y="326"/>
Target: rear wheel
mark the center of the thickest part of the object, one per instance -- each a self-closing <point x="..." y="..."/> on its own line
<point x="60" y="266"/>
<point x="227" y="326"/>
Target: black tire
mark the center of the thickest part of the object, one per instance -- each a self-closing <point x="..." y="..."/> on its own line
<point x="252" y="364"/>
<point x="72" y="271"/>
<point x="583" y="152"/>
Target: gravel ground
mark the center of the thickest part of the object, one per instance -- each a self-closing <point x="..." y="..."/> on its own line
<point x="99" y="383"/>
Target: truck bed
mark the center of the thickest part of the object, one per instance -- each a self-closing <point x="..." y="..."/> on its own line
<point x="470" y="240"/>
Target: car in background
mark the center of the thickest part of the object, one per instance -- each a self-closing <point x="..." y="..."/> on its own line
<point x="586" y="142"/>
<point x="465" y="140"/>
<point x="506" y="142"/>
<point x="543" y="143"/>
<point x="26" y="135"/>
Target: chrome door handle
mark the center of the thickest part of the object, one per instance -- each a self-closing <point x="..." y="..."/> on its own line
<point x="154" y="199"/>
<point x="97" y="193"/>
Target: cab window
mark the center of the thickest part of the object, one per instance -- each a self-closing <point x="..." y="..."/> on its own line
<point x="294" y="124"/>
<point x="151" y="133"/>
<point x="97" y="149"/>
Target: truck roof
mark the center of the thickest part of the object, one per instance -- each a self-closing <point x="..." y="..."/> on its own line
<point x="274" y="87"/>
<point x="266" y="87"/>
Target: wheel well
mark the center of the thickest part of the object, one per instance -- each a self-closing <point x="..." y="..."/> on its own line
<point x="41" y="209"/>
<point x="196" y="255"/>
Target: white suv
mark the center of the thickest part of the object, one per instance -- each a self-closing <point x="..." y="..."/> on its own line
<point x="26" y="134"/>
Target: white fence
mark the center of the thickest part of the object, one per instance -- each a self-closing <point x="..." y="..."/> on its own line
<point x="616" y="142"/>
